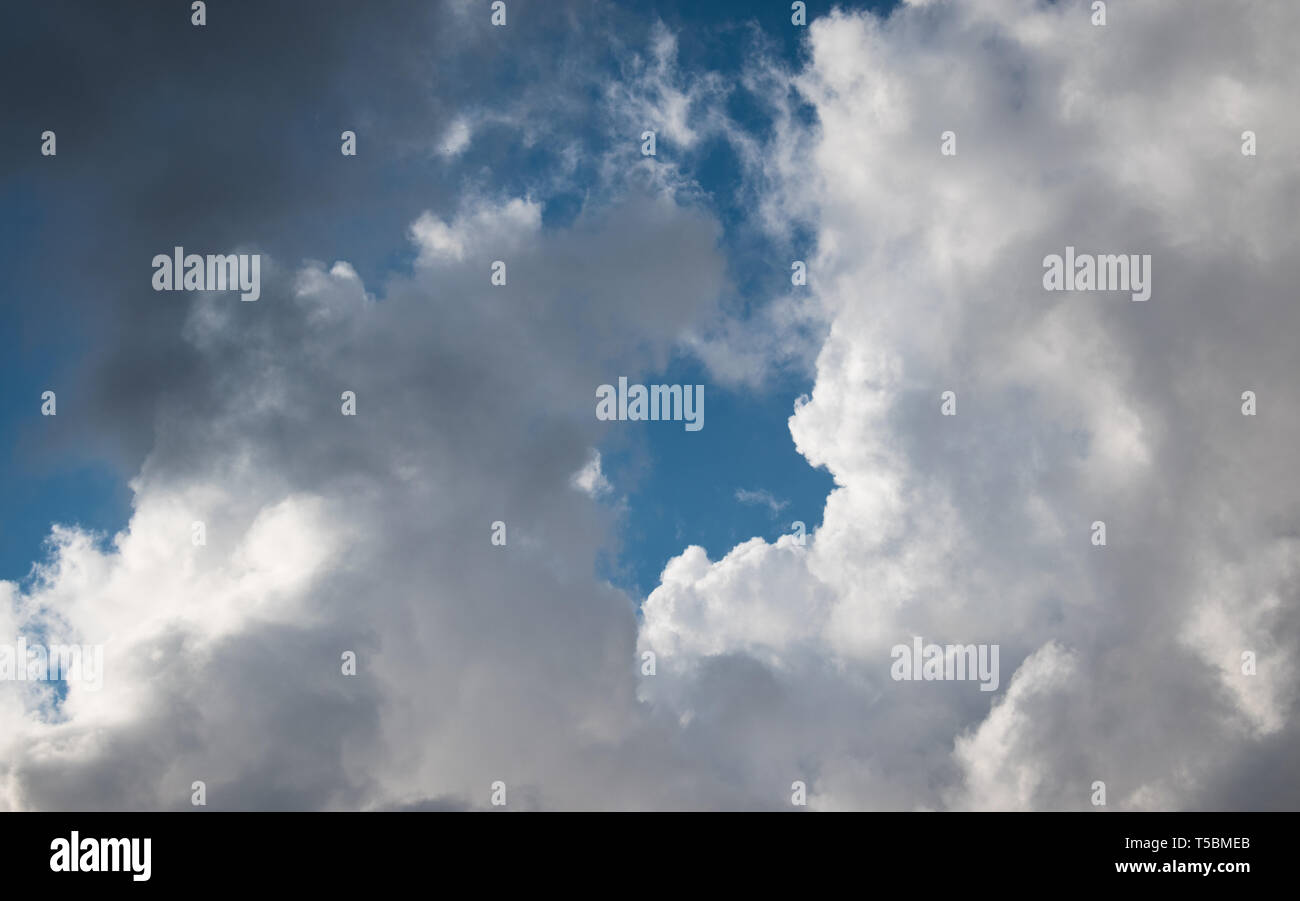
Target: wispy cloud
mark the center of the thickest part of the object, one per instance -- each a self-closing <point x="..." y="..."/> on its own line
<point x="761" y="498"/>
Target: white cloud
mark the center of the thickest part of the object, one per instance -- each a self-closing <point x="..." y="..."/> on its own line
<point x="1071" y="408"/>
<point x="761" y="498"/>
<point x="457" y="138"/>
<point x="507" y="223"/>
<point x="590" y="480"/>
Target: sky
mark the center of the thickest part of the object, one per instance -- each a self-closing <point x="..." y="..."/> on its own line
<point x="524" y="662"/>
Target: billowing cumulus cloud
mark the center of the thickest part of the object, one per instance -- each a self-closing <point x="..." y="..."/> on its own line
<point x="1123" y="663"/>
<point x="478" y="662"/>
<point x="328" y="533"/>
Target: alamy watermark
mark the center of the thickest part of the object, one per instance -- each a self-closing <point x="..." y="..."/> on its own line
<point x="24" y="662"/>
<point x="953" y="662"/>
<point x="1100" y="272"/>
<point x="682" y="403"/>
<point x="102" y="855"/>
<point x="181" y="271"/>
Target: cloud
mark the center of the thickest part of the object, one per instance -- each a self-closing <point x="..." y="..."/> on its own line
<point x="762" y="498"/>
<point x="477" y="662"/>
<point x="1125" y="661"/>
<point x="456" y="139"/>
<point x="590" y="480"/>
<point x="372" y="534"/>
